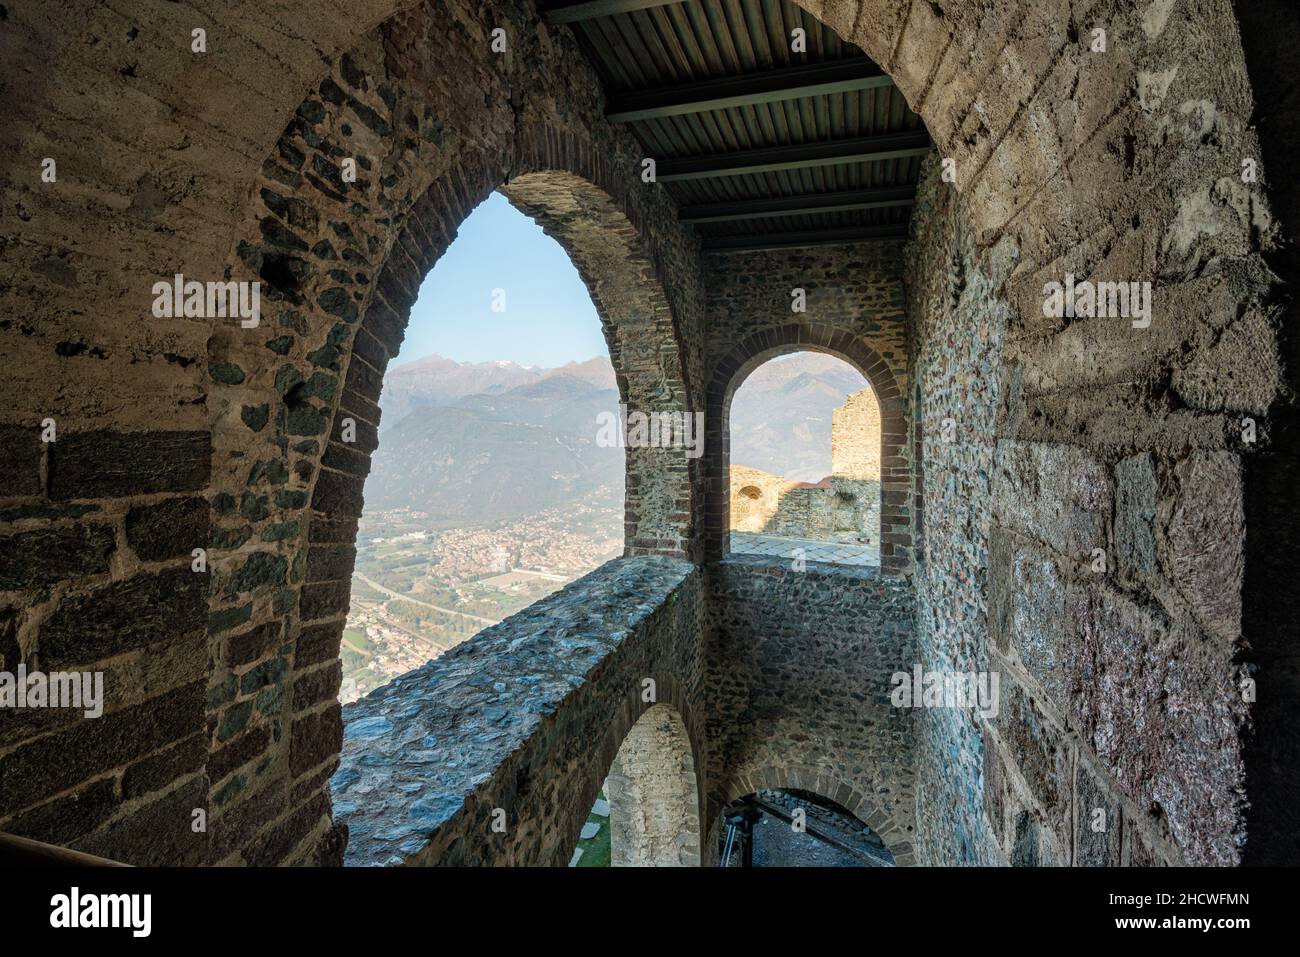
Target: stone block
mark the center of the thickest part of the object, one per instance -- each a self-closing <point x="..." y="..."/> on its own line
<point x="20" y="460"/>
<point x="248" y="646"/>
<point x="318" y="643"/>
<point x="149" y="608"/>
<point x="1135" y="513"/>
<point x="327" y="563"/>
<point x="995" y="793"/>
<point x="1098" y="825"/>
<point x="1027" y="608"/>
<point x="49" y="555"/>
<point x="87" y="465"/>
<point x="1203" y="544"/>
<point x="238" y="752"/>
<point x="1039" y="751"/>
<point x="159" y="770"/>
<point x="338" y="495"/>
<point x="156" y="834"/>
<point x="1057" y="494"/>
<point x="169" y="529"/>
<point x="317" y="686"/>
<point x="91" y="747"/>
<point x="1160" y="707"/>
<point x="315" y="737"/>
<point x="66" y="818"/>
<point x="324" y="600"/>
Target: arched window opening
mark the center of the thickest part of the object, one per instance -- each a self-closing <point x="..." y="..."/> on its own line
<point x="648" y="812"/>
<point x="805" y="462"/>
<point x="488" y="490"/>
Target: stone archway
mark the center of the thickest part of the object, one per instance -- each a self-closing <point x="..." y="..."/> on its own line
<point x="896" y="835"/>
<point x="295" y="402"/>
<point x="655" y="780"/>
<point x="654" y="806"/>
<point x="895" y="475"/>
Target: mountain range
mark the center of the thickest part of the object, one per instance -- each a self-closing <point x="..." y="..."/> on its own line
<point x="476" y="443"/>
<point x="435" y="380"/>
<point x="781" y="414"/>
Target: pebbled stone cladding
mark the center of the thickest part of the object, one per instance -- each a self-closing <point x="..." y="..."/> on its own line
<point x="957" y="336"/>
<point x="798" y="689"/>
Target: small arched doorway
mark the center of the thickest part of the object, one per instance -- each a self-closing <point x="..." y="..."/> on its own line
<point x="651" y="803"/>
<point x="789" y="827"/>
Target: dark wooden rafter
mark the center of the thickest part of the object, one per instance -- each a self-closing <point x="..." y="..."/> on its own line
<point x="769" y="86"/>
<point x="760" y="146"/>
<point x="574" y="12"/>
<point x="806" y="205"/>
<point x="861" y="149"/>
<point x="813" y="237"/>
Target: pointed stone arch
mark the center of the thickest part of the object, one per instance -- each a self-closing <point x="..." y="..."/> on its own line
<point x="295" y="403"/>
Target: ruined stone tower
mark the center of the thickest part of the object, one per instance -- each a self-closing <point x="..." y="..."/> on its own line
<point x="855" y="450"/>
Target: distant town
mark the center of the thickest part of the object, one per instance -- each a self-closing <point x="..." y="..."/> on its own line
<point x="416" y="593"/>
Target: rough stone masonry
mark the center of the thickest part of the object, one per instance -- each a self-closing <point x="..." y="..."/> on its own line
<point x="1105" y="515"/>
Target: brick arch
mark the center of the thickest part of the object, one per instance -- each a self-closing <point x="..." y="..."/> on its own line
<point x="896" y="835"/>
<point x="895" y="475"/>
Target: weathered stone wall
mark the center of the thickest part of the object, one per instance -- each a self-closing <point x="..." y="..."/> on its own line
<point x="803" y="513"/>
<point x="817" y="512"/>
<point x="798" y="689"/>
<point x="495" y="752"/>
<point x="855" y="507"/>
<point x="194" y="433"/>
<point x="752" y="512"/>
<point x="854" y="309"/>
<point x="1099" y="578"/>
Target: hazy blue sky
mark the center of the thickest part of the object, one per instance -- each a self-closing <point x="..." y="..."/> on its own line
<point x="548" y="319"/>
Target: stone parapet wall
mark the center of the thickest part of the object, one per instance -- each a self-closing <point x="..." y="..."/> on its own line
<point x="495" y="752"/>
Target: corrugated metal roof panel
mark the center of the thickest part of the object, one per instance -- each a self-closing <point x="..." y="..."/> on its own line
<point x="698" y="40"/>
